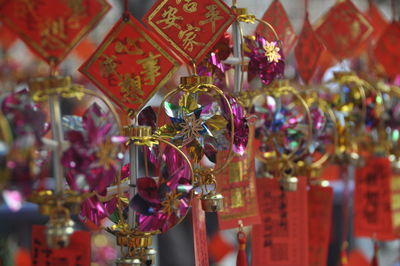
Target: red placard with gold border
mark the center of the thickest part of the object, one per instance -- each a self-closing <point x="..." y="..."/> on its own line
<point x="76" y="254"/>
<point x="277" y="17"/>
<point x="190" y="27"/>
<point x="130" y="65"/>
<point x="237" y="183"/>
<point x="320" y="200"/>
<point x="377" y="200"/>
<point x="282" y="238"/>
<point x="52" y="28"/>
<point x="344" y="30"/>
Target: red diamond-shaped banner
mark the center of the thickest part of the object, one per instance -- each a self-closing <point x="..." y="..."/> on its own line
<point x="130" y="65"/>
<point x="387" y="50"/>
<point x="344" y="29"/>
<point x="308" y="51"/>
<point x="377" y="20"/>
<point x="52" y="28"/>
<point x="277" y="17"/>
<point x="190" y="27"/>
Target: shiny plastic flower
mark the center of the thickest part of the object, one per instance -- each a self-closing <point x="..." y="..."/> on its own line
<point x="266" y="59"/>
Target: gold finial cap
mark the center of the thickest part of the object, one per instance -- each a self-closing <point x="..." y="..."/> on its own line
<point x="52" y="82"/>
<point x="194" y="80"/>
<point x="137" y="131"/>
<point x="239" y="11"/>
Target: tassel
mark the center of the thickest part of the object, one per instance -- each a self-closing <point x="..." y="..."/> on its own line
<point x="374" y="261"/>
<point x="344" y="261"/>
<point x="241" y="257"/>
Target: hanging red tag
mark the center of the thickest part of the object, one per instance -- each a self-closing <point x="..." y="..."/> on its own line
<point x="237" y="183"/>
<point x="52" y="28"/>
<point x="319" y="223"/>
<point x="282" y="238"/>
<point x="373" y="216"/>
<point x="130" y="65"/>
<point x="190" y="27"/>
<point x="199" y="233"/>
<point x="77" y="254"/>
<point x="279" y="20"/>
<point x="344" y="30"/>
<point x="387" y="51"/>
<point x="308" y="51"/>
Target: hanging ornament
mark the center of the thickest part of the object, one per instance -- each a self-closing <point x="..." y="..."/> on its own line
<point x="386" y="52"/>
<point x="161" y="196"/>
<point x="308" y="51"/>
<point x="202" y="130"/>
<point x="191" y="28"/>
<point x="52" y="35"/>
<point x="323" y="146"/>
<point x="344" y="30"/>
<point x="23" y="127"/>
<point x="350" y="108"/>
<point x="278" y="19"/>
<point x="130" y="65"/>
<point x="283" y="132"/>
<point x="89" y="163"/>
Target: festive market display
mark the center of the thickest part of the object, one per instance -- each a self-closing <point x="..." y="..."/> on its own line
<point x="187" y="115"/>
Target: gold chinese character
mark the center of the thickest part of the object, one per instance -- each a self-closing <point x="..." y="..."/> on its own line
<point x="129" y="46"/>
<point x="170" y="18"/>
<point x="188" y="37"/>
<point x="151" y="69"/>
<point x="211" y="16"/>
<point x="108" y="66"/>
<point x="189" y="6"/>
<point x="131" y="89"/>
<point x="52" y="33"/>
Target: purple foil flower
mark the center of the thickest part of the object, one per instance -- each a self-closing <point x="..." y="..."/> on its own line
<point x="266" y="59"/>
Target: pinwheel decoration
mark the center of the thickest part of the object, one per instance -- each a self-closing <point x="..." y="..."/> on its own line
<point x="92" y="161"/>
<point x="26" y="124"/>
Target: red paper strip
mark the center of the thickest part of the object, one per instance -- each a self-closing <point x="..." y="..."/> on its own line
<point x="199" y="233"/>
<point x="282" y="238"/>
<point x="279" y="20"/>
<point x="130" y="65"/>
<point x="77" y="254"/>
<point x="387" y="51"/>
<point x="308" y="51"/>
<point x="52" y="28"/>
<point x="319" y="224"/>
<point x="190" y="27"/>
<point x="373" y="200"/>
<point x="344" y="30"/>
<point x="237" y="183"/>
